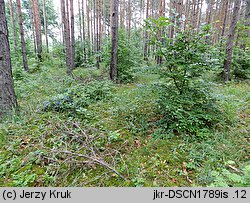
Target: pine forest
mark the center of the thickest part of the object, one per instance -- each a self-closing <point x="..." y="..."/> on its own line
<point x="125" y="93"/>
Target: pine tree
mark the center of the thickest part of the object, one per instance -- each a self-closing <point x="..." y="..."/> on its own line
<point x="7" y="95"/>
<point x="114" y="35"/>
<point x="23" y="46"/>
<point x="231" y="35"/>
<point x="38" y="28"/>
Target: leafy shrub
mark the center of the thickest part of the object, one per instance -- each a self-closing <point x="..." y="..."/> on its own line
<point x="185" y="101"/>
<point x="184" y="55"/>
<point x="189" y="112"/>
<point x="76" y="99"/>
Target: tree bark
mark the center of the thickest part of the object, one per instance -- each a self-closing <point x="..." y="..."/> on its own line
<point x="13" y="25"/>
<point x="72" y="35"/>
<point x="7" y="95"/>
<point x="80" y="22"/>
<point x="94" y="26"/>
<point x="68" y="43"/>
<point x="146" y="34"/>
<point x="172" y="17"/>
<point x="88" y="24"/>
<point x="231" y="34"/>
<point x="187" y="13"/>
<point x="62" y="5"/>
<point x="200" y="15"/>
<point x="247" y="17"/>
<point x="23" y="48"/>
<point x="38" y="29"/>
<point x="129" y="18"/>
<point x="45" y="26"/>
<point x="99" y="27"/>
<point x="66" y="34"/>
<point x="84" y="32"/>
<point x="114" y="35"/>
<point x="224" y="19"/>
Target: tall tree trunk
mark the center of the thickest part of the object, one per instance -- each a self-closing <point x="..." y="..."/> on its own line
<point x="80" y="22"/>
<point x="231" y="34"/>
<point x="88" y="24"/>
<point x="114" y="36"/>
<point x="20" y="22"/>
<point x="122" y="13"/>
<point x="200" y="15"/>
<point x="38" y="29"/>
<point x="179" y="8"/>
<point x="187" y="12"/>
<point x="92" y="23"/>
<point x="45" y="26"/>
<point x="146" y="34"/>
<point x="66" y="34"/>
<point x="68" y="41"/>
<point x="62" y="5"/>
<point x="172" y="17"/>
<point x="94" y="26"/>
<point x="99" y="27"/>
<point x="72" y="35"/>
<point x="224" y="19"/>
<point x="194" y="14"/>
<point x="211" y="12"/>
<point x="215" y="22"/>
<point x="33" y="26"/>
<point x="84" y="32"/>
<point x="13" y="24"/>
<point x="97" y="34"/>
<point x="247" y="16"/>
<point x="219" y="20"/>
<point x="159" y="58"/>
<point x="7" y="95"/>
<point x="129" y="17"/>
<point x="33" y="31"/>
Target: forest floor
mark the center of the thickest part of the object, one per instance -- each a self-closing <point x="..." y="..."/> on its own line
<point x="115" y="141"/>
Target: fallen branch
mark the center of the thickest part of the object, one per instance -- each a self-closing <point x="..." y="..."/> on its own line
<point x="234" y="169"/>
<point x="95" y="160"/>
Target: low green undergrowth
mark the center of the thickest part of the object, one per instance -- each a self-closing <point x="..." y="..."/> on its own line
<point x="231" y="178"/>
<point x="193" y="111"/>
<point x="74" y="100"/>
<point x="122" y="129"/>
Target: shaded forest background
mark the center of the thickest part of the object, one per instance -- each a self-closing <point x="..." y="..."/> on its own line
<point x="125" y="93"/>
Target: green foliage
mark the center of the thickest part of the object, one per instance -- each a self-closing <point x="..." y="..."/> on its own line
<point x="188" y="112"/>
<point x="19" y="74"/>
<point x="84" y="59"/>
<point x="134" y="109"/>
<point x="58" y="52"/>
<point x="113" y="136"/>
<point x="128" y="57"/>
<point x="18" y="169"/>
<point x="76" y="99"/>
<point x="240" y="66"/>
<point x="51" y="16"/>
<point x="241" y="63"/>
<point x="242" y="31"/>
<point x="227" y="178"/>
<point x="184" y="58"/>
<point x="185" y="101"/>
